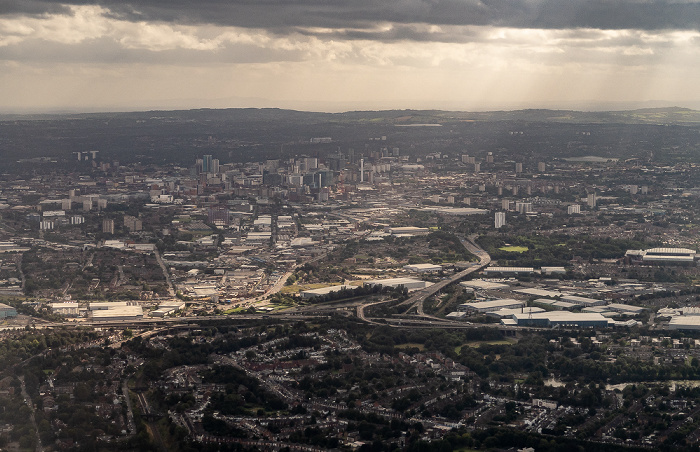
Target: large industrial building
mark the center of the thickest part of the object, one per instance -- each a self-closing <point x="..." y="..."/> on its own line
<point x="510" y="270"/>
<point x="582" y="301"/>
<point x="71" y="309"/>
<point x="490" y="306"/>
<point x="626" y="309"/>
<point x="484" y="285"/>
<point x="408" y="230"/>
<point x="510" y="313"/>
<point x="537" y="292"/>
<point x="408" y="283"/>
<point x="115" y="311"/>
<point x="7" y="311"/>
<point x="169" y="307"/>
<point x="559" y="319"/>
<point x="555" y="304"/>
<point x="663" y="255"/>
<point x="311" y="293"/>
<point x="684" y="322"/>
<point x="423" y="268"/>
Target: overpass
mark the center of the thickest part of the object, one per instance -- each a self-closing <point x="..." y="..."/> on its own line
<point x="416" y="300"/>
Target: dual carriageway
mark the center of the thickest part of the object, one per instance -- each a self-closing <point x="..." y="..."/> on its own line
<point x="408" y="319"/>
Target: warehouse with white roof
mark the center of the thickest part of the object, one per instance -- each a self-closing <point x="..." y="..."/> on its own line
<point x="408" y="283"/>
<point x="423" y="268"/>
<point x="490" y="306"/>
<point x="510" y="270"/>
<point x="561" y="319"/>
<point x="538" y="292"/>
<point x="684" y="322"/>
<point x="510" y="313"/>
<point x="484" y="285"/>
<point x="168" y="307"/>
<point x="114" y="311"/>
<point x="582" y="301"/>
<point x="69" y="309"/>
<point x="311" y="293"/>
<point x="663" y="255"/>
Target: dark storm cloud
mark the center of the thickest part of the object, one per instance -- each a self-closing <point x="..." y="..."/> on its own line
<point x="31" y="7"/>
<point x="401" y="32"/>
<point x="288" y="15"/>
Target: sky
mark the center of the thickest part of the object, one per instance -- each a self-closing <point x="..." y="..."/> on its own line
<point x="333" y="55"/>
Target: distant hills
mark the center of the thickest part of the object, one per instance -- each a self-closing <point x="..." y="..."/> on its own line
<point x="668" y="115"/>
<point x="256" y="134"/>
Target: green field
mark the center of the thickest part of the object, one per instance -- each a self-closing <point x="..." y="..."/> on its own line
<point x="475" y="344"/>
<point x="420" y="347"/>
<point x="236" y="310"/>
<point x="514" y="249"/>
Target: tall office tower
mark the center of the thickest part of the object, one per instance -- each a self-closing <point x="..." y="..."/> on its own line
<point x="215" y="166"/>
<point x="523" y="207"/>
<point x="133" y="224"/>
<point x="206" y="164"/>
<point x="573" y="208"/>
<point x="477" y="167"/>
<point x="108" y="226"/>
<point x="500" y="219"/>
<point x="311" y="163"/>
<point x="489" y="157"/>
<point x="518" y="167"/>
<point x="505" y="204"/>
<point x="541" y="167"/>
<point x="591" y="200"/>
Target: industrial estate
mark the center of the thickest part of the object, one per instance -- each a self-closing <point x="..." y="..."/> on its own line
<point x="381" y="281"/>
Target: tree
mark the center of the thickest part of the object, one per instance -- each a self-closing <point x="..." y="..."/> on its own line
<point x="82" y="392"/>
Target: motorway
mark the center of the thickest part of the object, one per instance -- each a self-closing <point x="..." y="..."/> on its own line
<point x="421" y="319"/>
<point x="141" y="323"/>
<point x="416" y="300"/>
<point x="420" y="296"/>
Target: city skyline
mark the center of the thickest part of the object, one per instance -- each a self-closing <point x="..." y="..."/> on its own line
<point x="461" y="55"/>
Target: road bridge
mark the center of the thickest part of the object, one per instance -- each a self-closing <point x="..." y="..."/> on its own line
<point x="416" y="300"/>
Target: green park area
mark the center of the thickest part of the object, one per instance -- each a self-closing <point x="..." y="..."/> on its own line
<point x="514" y="249"/>
<point x="476" y="344"/>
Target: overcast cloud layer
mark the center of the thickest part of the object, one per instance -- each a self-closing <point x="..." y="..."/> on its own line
<point x="285" y="14"/>
<point x="337" y="55"/>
